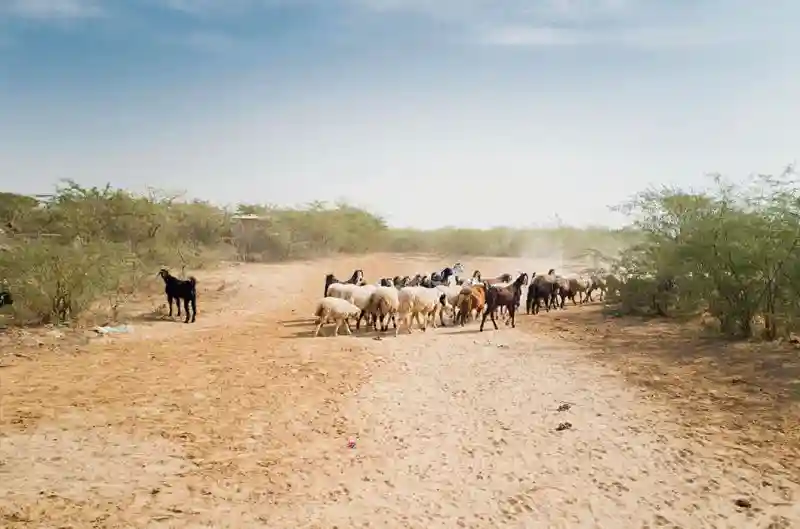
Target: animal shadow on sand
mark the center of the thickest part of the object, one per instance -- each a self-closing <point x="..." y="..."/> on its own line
<point x="297" y="322"/>
<point x="154" y="316"/>
<point x="463" y="330"/>
<point x="327" y="332"/>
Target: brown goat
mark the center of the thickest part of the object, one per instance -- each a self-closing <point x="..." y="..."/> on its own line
<point x="507" y="296"/>
<point x="471" y="298"/>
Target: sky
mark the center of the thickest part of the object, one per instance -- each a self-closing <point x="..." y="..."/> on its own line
<point x="472" y="113"/>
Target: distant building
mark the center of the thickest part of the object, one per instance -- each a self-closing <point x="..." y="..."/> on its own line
<point x="243" y="231"/>
<point x="247" y="223"/>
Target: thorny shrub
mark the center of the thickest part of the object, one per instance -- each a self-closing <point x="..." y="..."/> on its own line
<point x="732" y="252"/>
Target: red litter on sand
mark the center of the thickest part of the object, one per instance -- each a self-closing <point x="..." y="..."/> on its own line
<point x="351" y="443"/>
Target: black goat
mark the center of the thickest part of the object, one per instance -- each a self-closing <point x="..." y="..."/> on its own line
<point x="441" y="278"/>
<point x="400" y="282"/>
<point x="356" y="279"/>
<point x="180" y="289"/>
<point x="5" y="298"/>
<point x="415" y="281"/>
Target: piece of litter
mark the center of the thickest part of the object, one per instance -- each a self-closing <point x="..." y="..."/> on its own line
<point x="351" y="443"/>
<point x="119" y="329"/>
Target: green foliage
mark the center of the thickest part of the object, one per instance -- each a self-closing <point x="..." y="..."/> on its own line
<point x="85" y="247"/>
<point x="63" y="255"/>
<point x="12" y="207"/>
<point x="733" y="251"/>
<point x="53" y="283"/>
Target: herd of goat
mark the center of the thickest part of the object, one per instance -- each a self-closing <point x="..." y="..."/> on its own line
<point x="420" y="298"/>
<point x="425" y="298"/>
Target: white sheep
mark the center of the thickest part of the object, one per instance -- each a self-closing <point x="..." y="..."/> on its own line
<point x="471" y="281"/>
<point x="452" y="292"/>
<point x="359" y="296"/>
<point x="600" y="283"/>
<point x="383" y="305"/>
<point x="341" y="290"/>
<point x="420" y="301"/>
<point x="335" y="309"/>
<point x="580" y="285"/>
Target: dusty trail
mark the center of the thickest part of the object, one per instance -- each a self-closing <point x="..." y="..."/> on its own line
<point x="460" y="430"/>
<point x="243" y="421"/>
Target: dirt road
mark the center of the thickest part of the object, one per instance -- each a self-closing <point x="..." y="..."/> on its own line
<point x="243" y="421"/>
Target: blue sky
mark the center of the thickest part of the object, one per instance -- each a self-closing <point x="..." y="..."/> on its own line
<point x="471" y="112"/>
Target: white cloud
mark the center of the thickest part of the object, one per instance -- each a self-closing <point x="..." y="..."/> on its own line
<point x="192" y="7"/>
<point x="474" y="11"/>
<point x="52" y="9"/>
<point x="222" y="7"/>
<point x="639" y="37"/>
<point x="631" y="23"/>
<point x="541" y="36"/>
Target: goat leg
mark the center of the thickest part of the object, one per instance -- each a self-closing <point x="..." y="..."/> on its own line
<point x="404" y="320"/>
<point x="494" y="321"/>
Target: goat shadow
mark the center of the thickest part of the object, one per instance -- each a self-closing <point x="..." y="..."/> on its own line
<point x="464" y="330"/>
<point x="327" y="331"/>
<point x="324" y="333"/>
<point x="156" y="317"/>
<point x="297" y="322"/>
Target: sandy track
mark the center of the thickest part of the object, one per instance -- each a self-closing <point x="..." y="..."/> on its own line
<point x="243" y="421"/>
<point x="461" y="431"/>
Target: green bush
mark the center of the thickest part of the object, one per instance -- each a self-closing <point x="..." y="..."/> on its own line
<point x="53" y="283"/>
<point x="733" y="252"/>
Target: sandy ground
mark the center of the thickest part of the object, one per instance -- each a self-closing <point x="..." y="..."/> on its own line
<point x="243" y="420"/>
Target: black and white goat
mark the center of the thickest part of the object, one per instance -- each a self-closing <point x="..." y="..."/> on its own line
<point x="180" y="289"/>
